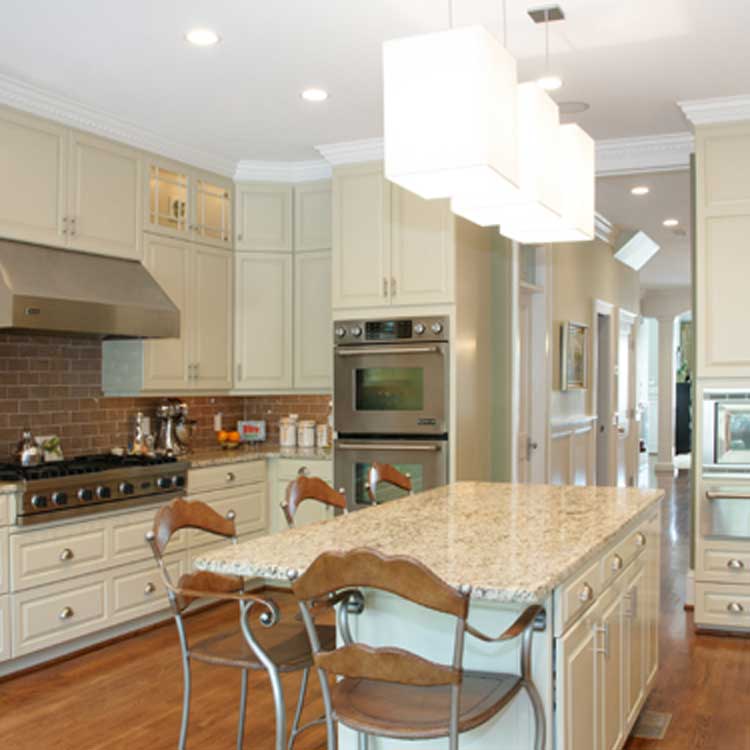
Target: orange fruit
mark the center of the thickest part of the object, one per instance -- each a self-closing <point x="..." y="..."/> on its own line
<point x="234" y="437"/>
<point x="222" y="436"/>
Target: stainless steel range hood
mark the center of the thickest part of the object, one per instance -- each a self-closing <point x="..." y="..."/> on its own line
<point x="46" y="289"/>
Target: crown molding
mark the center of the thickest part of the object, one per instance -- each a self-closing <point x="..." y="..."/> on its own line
<point x="352" y="152"/>
<point x="651" y="153"/>
<point x="43" y="103"/>
<point x="717" y="110"/>
<point x="604" y="229"/>
<point x="282" y="171"/>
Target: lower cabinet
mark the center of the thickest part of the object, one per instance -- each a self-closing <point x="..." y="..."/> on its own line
<point x="4" y="628"/>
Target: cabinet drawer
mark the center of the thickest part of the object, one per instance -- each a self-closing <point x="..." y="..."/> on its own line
<point x="4" y="561"/>
<point x="5" y="501"/>
<point x="56" y="554"/>
<point x="225" y="476"/>
<point x="289" y="469"/>
<point x="579" y="594"/>
<point x="129" y="537"/>
<point x="138" y="590"/>
<point x="4" y="628"/>
<point x="722" y="605"/>
<point x="54" y="614"/>
<point x="725" y="562"/>
<point x="617" y="559"/>
<point x="249" y="505"/>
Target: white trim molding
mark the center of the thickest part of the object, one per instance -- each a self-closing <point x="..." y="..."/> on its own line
<point x="43" y="103"/>
<point x="352" y="152"/>
<point x="282" y="171"/>
<point x="651" y="153"/>
<point x="604" y="229"/>
<point x="718" y="110"/>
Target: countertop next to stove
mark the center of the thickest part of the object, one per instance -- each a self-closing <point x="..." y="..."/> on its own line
<point x="217" y="456"/>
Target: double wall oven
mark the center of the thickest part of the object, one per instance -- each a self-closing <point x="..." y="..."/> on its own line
<point x="391" y="402"/>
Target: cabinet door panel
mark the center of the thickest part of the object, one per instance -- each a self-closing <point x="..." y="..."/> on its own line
<point x="211" y="317"/>
<point x="212" y="206"/>
<point x="361" y="237"/>
<point x="312" y="216"/>
<point x="635" y="635"/>
<point x="263" y="323"/>
<point x="168" y="198"/>
<point x="610" y="668"/>
<point x="32" y="189"/>
<point x="165" y="361"/>
<point x="423" y="250"/>
<point x="312" y="320"/>
<point x="264" y="217"/>
<point x="4" y="628"/>
<point x="105" y="197"/>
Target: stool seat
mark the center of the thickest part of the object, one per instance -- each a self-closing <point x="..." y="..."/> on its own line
<point x="411" y="711"/>
<point x="286" y="644"/>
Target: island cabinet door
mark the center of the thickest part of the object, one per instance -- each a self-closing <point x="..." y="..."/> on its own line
<point x="635" y="636"/>
<point x="609" y="669"/>
<point x="576" y="687"/>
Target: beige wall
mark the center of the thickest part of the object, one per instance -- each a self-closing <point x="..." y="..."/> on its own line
<point x="581" y="273"/>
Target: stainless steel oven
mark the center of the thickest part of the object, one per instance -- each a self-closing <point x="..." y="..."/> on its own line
<point x="726" y="429"/>
<point x="425" y="461"/>
<point x="391" y="376"/>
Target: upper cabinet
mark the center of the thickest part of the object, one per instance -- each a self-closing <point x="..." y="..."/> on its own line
<point x="188" y="203"/>
<point x="264" y="217"/>
<point x="69" y="189"/>
<point x="390" y="247"/>
<point x="312" y="216"/>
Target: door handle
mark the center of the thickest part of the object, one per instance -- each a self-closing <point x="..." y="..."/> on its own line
<point x="356" y="351"/>
<point x="717" y="495"/>
<point x="387" y="447"/>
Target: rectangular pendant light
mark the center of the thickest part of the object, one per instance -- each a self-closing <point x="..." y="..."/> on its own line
<point x="449" y="103"/>
<point x="577" y="182"/>
<point x="539" y="196"/>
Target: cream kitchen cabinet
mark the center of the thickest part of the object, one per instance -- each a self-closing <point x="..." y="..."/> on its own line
<point x="264" y="217"/>
<point x="187" y="203"/>
<point x="4" y="628"/>
<point x="390" y="247"/>
<point x="70" y="189"/>
<point x="312" y="216"/>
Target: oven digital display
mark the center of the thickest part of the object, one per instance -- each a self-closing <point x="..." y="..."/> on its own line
<point x="388" y="330"/>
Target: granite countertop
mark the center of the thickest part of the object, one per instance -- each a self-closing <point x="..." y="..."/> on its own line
<point x="253" y="452"/>
<point x="510" y="543"/>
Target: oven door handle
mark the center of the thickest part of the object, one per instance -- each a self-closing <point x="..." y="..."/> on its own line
<point x="355" y="351"/>
<point x="716" y="495"/>
<point x="387" y="447"/>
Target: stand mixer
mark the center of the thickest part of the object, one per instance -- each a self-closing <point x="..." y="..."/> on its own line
<point x="175" y="429"/>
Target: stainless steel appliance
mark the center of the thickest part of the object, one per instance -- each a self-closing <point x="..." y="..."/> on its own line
<point x="175" y="429"/>
<point x="90" y="484"/>
<point x="726" y="430"/>
<point x="391" y="402"/>
<point x="47" y="289"/>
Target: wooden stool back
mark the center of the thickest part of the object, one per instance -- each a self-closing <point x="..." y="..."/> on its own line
<point x="309" y="488"/>
<point x="389" y="475"/>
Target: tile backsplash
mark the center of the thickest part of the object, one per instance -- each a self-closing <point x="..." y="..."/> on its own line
<point x="52" y="385"/>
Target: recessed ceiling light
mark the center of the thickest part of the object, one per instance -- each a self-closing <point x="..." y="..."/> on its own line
<point x="549" y="82"/>
<point x="670" y="222"/>
<point x="640" y="190"/>
<point x="202" y="37"/>
<point x="314" y="95"/>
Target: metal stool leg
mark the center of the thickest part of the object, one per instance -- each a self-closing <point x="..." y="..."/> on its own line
<point x="298" y="711"/>
<point x="243" y="708"/>
<point x="539" y="722"/>
<point x="186" y="684"/>
<point x="361" y="741"/>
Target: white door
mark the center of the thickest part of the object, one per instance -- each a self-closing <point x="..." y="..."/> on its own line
<point x="263" y="322"/>
<point x="361" y="237"/>
<point x="105" y="197"/>
<point x="627" y="429"/>
<point x="165" y="363"/>
<point x="422" y="250"/>
<point x="313" y="348"/>
<point x="33" y="185"/>
<point x="604" y="400"/>
<point x="264" y="217"/>
<point x="211" y="317"/>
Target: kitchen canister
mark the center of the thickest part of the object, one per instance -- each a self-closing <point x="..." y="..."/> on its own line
<point x="322" y="436"/>
<point x="288" y="431"/>
<point x="306" y="433"/>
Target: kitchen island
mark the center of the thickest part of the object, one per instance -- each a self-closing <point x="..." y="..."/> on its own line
<point x="589" y="555"/>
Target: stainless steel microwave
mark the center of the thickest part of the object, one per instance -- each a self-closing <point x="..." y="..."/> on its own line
<point x="726" y="429"/>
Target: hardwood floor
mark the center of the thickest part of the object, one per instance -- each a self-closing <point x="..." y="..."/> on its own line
<point x="128" y="695"/>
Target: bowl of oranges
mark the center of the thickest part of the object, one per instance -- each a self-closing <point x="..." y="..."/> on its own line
<point x="228" y="438"/>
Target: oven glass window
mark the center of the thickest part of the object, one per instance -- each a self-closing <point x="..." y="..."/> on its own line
<point x="386" y="492"/>
<point x="389" y="389"/>
<point x="733" y="434"/>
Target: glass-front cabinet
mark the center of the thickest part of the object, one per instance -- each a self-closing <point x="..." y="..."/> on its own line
<point x="187" y="203"/>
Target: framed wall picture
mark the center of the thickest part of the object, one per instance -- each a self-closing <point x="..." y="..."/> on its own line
<point x="573" y="356"/>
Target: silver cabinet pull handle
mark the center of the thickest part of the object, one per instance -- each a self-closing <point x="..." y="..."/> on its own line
<point x="231" y="515"/>
<point x="66" y="554"/>
<point x="604" y="630"/>
<point x="616" y="563"/>
<point x="726" y="495"/>
<point x="385" y="287"/>
<point x="149" y="589"/>
<point x="640" y="539"/>
<point x="303" y="471"/>
<point x="356" y="351"/>
<point x="239" y="237"/>
<point x="586" y="594"/>
<point x="735" y="564"/>
<point x="239" y="371"/>
<point x="73" y="226"/>
<point x="387" y="447"/>
<point x="66" y="613"/>
<point x="230" y="476"/>
<point x="393" y="286"/>
<point x="735" y="608"/>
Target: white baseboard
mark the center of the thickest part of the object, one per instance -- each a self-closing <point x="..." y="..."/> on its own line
<point x="690" y="588"/>
<point x="666" y="469"/>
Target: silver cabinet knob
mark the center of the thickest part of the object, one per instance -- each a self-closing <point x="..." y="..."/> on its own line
<point x="230" y="476"/>
<point x="586" y="594"/>
<point x="735" y="608"/>
<point x="66" y="613"/>
<point x="303" y="471"/>
<point x="640" y="539"/>
<point x="231" y="515"/>
<point x="735" y="564"/>
<point x="66" y="554"/>
<point x="616" y="563"/>
<point x="149" y="589"/>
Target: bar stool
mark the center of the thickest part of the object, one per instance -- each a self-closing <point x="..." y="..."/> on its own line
<point x="309" y="488"/>
<point x="279" y="649"/>
<point x="389" y="475"/>
<point x="392" y="692"/>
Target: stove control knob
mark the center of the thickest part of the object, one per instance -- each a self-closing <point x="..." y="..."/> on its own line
<point x="164" y="483"/>
<point x="60" y="498"/>
<point x="39" y="501"/>
<point x="126" y="488"/>
<point x="340" y="332"/>
<point x="436" y="328"/>
<point x="356" y="331"/>
<point x="85" y="495"/>
<point x="103" y="492"/>
<point x="178" y="481"/>
<point x="419" y="329"/>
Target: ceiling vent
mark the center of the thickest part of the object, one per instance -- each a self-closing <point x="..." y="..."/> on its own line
<point x="636" y="249"/>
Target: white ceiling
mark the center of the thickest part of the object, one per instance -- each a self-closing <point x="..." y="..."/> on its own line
<point x="631" y="60"/>
<point x="669" y="198"/>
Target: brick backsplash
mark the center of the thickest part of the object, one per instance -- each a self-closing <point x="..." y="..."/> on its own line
<point x="52" y="385"/>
